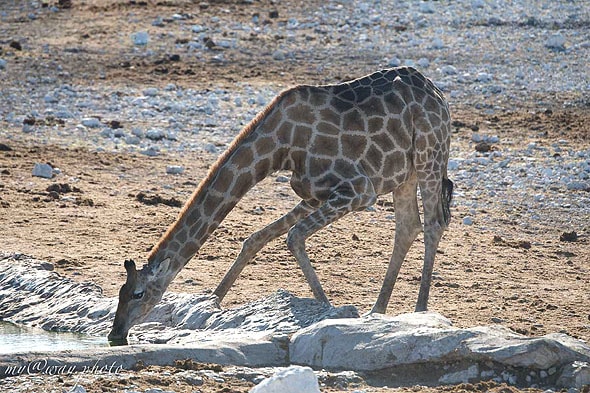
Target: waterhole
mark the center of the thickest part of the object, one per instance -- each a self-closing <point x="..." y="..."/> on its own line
<point x="17" y="338"/>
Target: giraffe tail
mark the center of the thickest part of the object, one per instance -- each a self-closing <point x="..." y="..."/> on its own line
<point x="447" y="196"/>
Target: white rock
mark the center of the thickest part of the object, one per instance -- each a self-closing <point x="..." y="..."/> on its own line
<point x="155" y="134"/>
<point x="448" y="70"/>
<point x="427" y="7"/>
<point x="294" y="379"/>
<point x="210" y="148"/>
<point x="91" y="122"/>
<point x="174" y="169"/>
<point x="483" y="77"/>
<point x="150" y="91"/>
<point x="198" y="28"/>
<point x="140" y="38"/>
<point x="437" y="43"/>
<point x="50" y="98"/>
<point x="43" y="170"/>
<point x="151" y="151"/>
<point x="423" y="62"/>
<point x="394" y="62"/>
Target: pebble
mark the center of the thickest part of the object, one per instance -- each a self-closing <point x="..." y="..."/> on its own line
<point x="449" y="70"/>
<point x="151" y="92"/>
<point x="174" y="169"/>
<point x="140" y="38"/>
<point x="91" y="122"/>
<point x="467" y="221"/>
<point x="43" y="170"/>
<point x="556" y="42"/>
<point x="155" y="134"/>
<point x="2" y="64"/>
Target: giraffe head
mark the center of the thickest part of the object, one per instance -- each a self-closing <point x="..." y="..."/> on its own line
<point x="137" y="297"/>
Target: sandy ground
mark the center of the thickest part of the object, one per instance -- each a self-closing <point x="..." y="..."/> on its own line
<point x="524" y="278"/>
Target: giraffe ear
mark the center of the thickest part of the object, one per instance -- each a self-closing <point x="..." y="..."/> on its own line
<point x="159" y="269"/>
<point x="131" y="270"/>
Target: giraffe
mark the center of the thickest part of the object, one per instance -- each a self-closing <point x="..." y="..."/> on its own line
<point x="345" y="144"/>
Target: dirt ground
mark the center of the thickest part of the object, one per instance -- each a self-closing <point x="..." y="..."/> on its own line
<point x="93" y="216"/>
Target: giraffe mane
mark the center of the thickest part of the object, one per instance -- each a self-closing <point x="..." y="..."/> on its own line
<point x="214" y="169"/>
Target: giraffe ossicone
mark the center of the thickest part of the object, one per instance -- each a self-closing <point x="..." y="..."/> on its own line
<point x="345" y="144"/>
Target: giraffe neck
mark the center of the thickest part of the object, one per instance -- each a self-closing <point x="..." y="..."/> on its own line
<point x="251" y="157"/>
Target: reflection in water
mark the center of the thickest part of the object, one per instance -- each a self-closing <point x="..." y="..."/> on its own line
<point x="17" y="338"/>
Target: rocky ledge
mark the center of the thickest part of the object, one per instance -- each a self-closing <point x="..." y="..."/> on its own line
<point x="279" y="330"/>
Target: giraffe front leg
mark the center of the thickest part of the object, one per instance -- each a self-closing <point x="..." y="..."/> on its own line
<point x="341" y="202"/>
<point x="257" y="241"/>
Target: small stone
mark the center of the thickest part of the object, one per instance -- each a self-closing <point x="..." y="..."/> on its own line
<point x="158" y="22"/>
<point x="16" y="45"/>
<point x="132" y="140"/>
<point x="427" y="7"/>
<point x="278" y="55"/>
<point x="2" y="64"/>
<point x="483" y="77"/>
<point x="140" y="38"/>
<point x="556" y="42"/>
<point x="155" y="134"/>
<point x="77" y="389"/>
<point x="282" y="179"/>
<point x="151" y="151"/>
<point x="467" y="221"/>
<point x="50" y="98"/>
<point x="174" y="169"/>
<point x="150" y="92"/>
<point x="394" y="62"/>
<point x="568" y="236"/>
<point x="294" y="379"/>
<point x="210" y="148"/>
<point x="483" y="147"/>
<point x="437" y="43"/>
<point x="198" y="28"/>
<point x="448" y="70"/>
<point x="423" y="62"/>
<point x="91" y="122"/>
<point x="43" y="170"/>
<point x="578" y="186"/>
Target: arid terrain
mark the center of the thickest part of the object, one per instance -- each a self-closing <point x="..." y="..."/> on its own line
<point x="509" y="256"/>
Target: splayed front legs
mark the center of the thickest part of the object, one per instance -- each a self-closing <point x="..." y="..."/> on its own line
<point x="257" y="241"/>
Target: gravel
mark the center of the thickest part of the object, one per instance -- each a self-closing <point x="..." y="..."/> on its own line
<point x="486" y="55"/>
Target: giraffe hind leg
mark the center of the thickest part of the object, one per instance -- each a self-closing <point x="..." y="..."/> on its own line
<point x="407" y="228"/>
<point x="435" y="223"/>
<point x="342" y="201"/>
<point x="257" y="241"/>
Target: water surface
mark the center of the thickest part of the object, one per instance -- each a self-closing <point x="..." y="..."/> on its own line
<point x="17" y="338"/>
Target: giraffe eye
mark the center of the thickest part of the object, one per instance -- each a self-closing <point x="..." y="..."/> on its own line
<point x="137" y="295"/>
